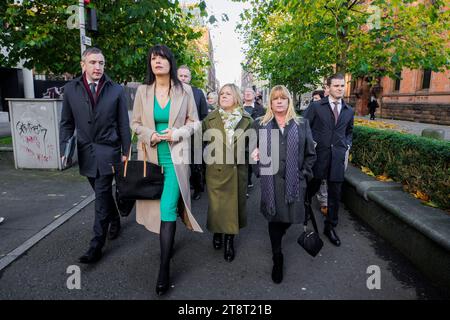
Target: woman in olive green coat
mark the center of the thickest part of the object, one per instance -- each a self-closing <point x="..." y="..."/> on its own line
<point x="226" y="158"/>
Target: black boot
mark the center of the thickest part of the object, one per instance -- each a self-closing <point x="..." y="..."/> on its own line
<point x="277" y="270"/>
<point x="217" y="241"/>
<point x="166" y="239"/>
<point x="229" y="248"/>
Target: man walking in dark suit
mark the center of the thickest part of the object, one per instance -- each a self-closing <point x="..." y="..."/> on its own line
<point x="255" y="110"/>
<point x="331" y="121"/>
<point x="197" y="172"/>
<point x="96" y="107"/>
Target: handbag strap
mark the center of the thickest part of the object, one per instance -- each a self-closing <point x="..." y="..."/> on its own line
<point x="310" y="212"/>
<point x="129" y="158"/>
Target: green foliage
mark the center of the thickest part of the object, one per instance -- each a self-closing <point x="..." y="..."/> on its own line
<point x="298" y="42"/>
<point x="6" y="141"/>
<point x="421" y="164"/>
<point x="37" y="33"/>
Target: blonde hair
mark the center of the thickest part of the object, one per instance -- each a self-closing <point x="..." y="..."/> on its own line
<point x="235" y="92"/>
<point x="213" y="95"/>
<point x="290" y="115"/>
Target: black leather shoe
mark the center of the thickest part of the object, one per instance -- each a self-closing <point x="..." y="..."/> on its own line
<point x="217" y="241"/>
<point x="114" y="229"/>
<point x="196" y="195"/>
<point x="332" y="236"/>
<point x="91" y="256"/>
<point x="277" y="270"/>
<point x="229" y="248"/>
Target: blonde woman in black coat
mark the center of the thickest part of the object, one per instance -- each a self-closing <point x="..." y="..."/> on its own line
<point x="283" y="186"/>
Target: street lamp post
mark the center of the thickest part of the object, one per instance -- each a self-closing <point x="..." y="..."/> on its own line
<point x="82" y="25"/>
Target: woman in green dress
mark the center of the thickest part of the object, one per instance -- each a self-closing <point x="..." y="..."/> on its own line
<point x="164" y="112"/>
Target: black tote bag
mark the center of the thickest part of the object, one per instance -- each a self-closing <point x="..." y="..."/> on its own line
<point x="138" y="180"/>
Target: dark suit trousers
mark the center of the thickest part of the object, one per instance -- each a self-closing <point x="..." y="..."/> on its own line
<point x="197" y="177"/>
<point x="334" y="197"/>
<point x="105" y="208"/>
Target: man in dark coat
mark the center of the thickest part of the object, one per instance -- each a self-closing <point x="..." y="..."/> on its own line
<point x="96" y="107"/>
<point x="331" y="121"/>
<point x="372" y="105"/>
<point x="255" y="110"/>
<point x="197" y="172"/>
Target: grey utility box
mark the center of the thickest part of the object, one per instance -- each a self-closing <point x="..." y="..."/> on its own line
<point x="35" y="133"/>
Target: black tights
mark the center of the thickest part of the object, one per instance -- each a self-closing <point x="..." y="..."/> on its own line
<point x="166" y="240"/>
<point x="276" y="233"/>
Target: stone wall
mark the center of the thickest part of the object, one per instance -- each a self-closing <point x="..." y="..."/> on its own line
<point x="426" y="113"/>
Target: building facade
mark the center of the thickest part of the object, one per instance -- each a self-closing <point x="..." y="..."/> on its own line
<point x="419" y="96"/>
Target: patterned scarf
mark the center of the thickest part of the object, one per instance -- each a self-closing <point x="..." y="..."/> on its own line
<point x="230" y="121"/>
<point x="292" y="183"/>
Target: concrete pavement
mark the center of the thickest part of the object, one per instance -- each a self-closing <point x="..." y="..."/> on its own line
<point x="129" y="267"/>
<point x="33" y="199"/>
<point x="412" y="127"/>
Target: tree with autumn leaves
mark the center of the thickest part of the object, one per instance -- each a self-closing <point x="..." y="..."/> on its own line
<point x="298" y="42"/>
<point x="36" y="32"/>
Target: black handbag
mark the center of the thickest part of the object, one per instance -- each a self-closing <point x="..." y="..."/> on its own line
<point x="309" y="239"/>
<point x="138" y="180"/>
<point x="124" y="206"/>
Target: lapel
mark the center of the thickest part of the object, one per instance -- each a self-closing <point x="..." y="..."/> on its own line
<point x="100" y="96"/>
<point x="148" y="105"/>
<point x="86" y="102"/>
<point x="216" y="123"/>
<point x="344" y="110"/>
<point x="328" y="114"/>
<point x="176" y="98"/>
<point x="325" y="102"/>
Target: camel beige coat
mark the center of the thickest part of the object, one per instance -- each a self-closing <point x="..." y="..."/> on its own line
<point x="183" y="120"/>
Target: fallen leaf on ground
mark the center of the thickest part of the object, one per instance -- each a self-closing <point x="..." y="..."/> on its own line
<point x="367" y="171"/>
<point x="421" y="196"/>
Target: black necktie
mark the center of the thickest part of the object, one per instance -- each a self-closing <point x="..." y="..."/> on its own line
<point x="92" y="87"/>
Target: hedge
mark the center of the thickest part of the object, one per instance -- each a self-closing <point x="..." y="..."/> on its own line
<point x="419" y="163"/>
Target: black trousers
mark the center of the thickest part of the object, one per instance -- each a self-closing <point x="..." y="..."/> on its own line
<point x="105" y="208"/>
<point x="276" y="232"/>
<point x="250" y="172"/>
<point x="334" y="197"/>
<point x="197" y="177"/>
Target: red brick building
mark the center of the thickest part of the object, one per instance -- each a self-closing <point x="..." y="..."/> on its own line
<point x="420" y="96"/>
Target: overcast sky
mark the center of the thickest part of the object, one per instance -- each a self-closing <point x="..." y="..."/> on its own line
<point x="227" y="46"/>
